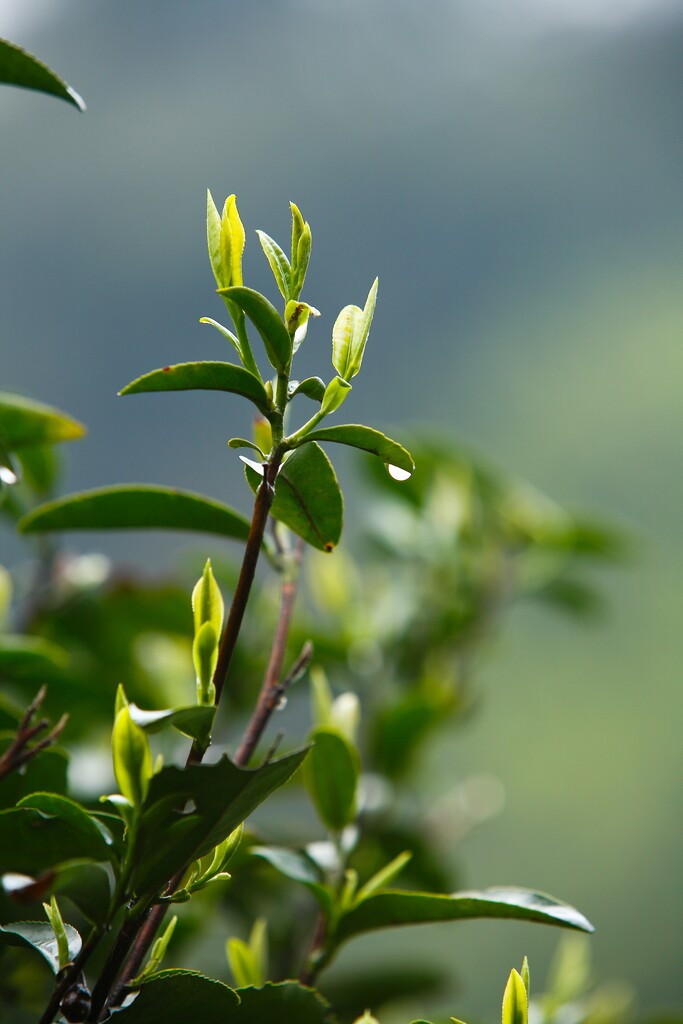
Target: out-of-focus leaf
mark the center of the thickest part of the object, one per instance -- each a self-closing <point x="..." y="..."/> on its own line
<point x="46" y="771"/>
<point x="135" y="507"/>
<point x="307" y="497"/>
<point x="24" y="422"/>
<point x="350" y="991"/>
<point x="312" y="387"/>
<point x="389" y="909"/>
<point x="221" y="796"/>
<point x="400" y="728"/>
<point x="203" y="376"/>
<point x="87" y="886"/>
<point x="296" y="865"/>
<point x="18" y="67"/>
<point x="41" y="467"/>
<point x="573" y="596"/>
<point x="31" y="658"/>
<point x="367" y="439"/>
<point x="39" y="935"/>
<point x="331" y="777"/>
<point x="9" y="472"/>
<point x="174" y="997"/>
<point x="268" y="323"/>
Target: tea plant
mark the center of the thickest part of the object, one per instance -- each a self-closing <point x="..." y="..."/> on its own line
<point x="461" y="543"/>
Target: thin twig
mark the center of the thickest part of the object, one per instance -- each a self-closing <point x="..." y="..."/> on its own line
<point x="19" y="753"/>
<point x="270" y="689"/>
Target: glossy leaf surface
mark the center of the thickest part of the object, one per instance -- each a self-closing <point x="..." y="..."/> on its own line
<point x="312" y="387"/>
<point x="267" y="321"/>
<point x="203" y="376"/>
<point x="134" y="507"/>
<point x="307" y="497"/>
<point x="387" y="909"/>
<point x="17" y="67"/>
<point x="176" y="997"/>
<point x="368" y="440"/>
<point x="194" y="720"/>
<point x="221" y="796"/>
<point x="24" y="422"/>
<point x="39" y="935"/>
<point x="32" y="841"/>
<point x="279" y="263"/>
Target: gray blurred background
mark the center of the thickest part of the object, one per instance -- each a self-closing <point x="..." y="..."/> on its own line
<point x="512" y="171"/>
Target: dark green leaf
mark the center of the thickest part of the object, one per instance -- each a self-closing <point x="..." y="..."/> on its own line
<point x="87" y="886"/>
<point x="286" y="1002"/>
<point x="137" y="506"/>
<point x="296" y="865"/>
<point x="268" y="323"/>
<point x="24" y="422"/>
<point x="175" y="997"/>
<point x="221" y="797"/>
<point x="31" y="658"/>
<point x="369" y="440"/>
<point x="9" y="473"/>
<point x="389" y="909"/>
<point x="312" y="387"/>
<point x="39" y="935"/>
<point x="32" y="841"/>
<point x="331" y="777"/>
<point x="41" y="465"/>
<point x="204" y="376"/>
<point x="17" y="67"/>
<point x="307" y="497"/>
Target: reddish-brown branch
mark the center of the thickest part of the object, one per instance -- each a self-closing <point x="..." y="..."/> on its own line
<point x="19" y="752"/>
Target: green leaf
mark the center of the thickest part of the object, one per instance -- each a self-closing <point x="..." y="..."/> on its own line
<point x="174" y="997"/>
<point x="203" y="376"/>
<point x="9" y="473"/>
<point x="17" y="67"/>
<point x="54" y="916"/>
<point x="525" y="976"/>
<point x="350" y="334"/>
<point x="31" y="658"/>
<point x="39" y="935"/>
<point x="279" y="263"/>
<point x="24" y="422"/>
<point x="296" y="865"/>
<point x="389" y="909"/>
<point x="207" y="601"/>
<point x="221" y="796"/>
<point x="384" y="876"/>
<point x="336" y="393"/>
<point x="268" y="323"/>
<point x="87" y="886"/>
<point x="33" y="840"/>
<point x="235" y="342"/>
<point x="331" y="776"/>
<point x="213" y="238"/>
<point x="368" y="440"/>
<point x="137" y="507"/>
<point x="132" y="757"/>
<point x="284" y="1002"/>
<point x="195" y="721"/>
<point x="307" y="497"/>
<point x="312" y="387"/>
<point x="515" y="1002"/>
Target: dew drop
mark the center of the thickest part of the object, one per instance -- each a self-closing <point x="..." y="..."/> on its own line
<point x="396" y="473"/>
<point x="7" y="475"/>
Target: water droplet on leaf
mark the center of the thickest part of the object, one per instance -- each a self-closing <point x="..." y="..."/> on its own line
<point x="396" y="473"/>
